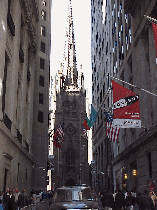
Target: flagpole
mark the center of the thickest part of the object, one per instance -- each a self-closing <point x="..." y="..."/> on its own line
<point x="151" y="19"/>
<point x="58" y="167"/>
<point x="133" y="85"/>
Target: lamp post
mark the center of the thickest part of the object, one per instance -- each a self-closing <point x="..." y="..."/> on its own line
<point x="96" y="181"/>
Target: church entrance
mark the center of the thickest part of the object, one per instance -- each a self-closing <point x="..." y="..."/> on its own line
<point x="70" y="182"/>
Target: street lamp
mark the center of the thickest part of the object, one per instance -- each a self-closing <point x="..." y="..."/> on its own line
<point x="96" y="182"/>
<point x="134" y="172"/>
<point x="125" y="176"/>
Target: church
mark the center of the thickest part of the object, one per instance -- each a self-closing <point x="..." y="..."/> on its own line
<point x="70" y="147"/>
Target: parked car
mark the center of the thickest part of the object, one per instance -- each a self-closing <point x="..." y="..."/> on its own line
<point x="76" y="197"/>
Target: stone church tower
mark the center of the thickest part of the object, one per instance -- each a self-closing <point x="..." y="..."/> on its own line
<point x="71" y="160"/>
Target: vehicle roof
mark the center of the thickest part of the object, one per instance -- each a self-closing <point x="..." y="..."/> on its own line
<point x="73" y="188"/>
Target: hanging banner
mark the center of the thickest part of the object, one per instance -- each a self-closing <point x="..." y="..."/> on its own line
<point x="126" y="109"/>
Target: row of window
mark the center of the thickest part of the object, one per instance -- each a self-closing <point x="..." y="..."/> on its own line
<point x="42" y="64"/>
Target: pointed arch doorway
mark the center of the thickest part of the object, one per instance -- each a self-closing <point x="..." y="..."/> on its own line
<point x="70" y="182"/>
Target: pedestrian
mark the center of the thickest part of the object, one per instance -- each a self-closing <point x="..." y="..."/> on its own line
<point x="110" y="201"/>
<point x="1" y="206"/>
<point x="129" y="201"/>
<point x="119" y="200"/>
<point x="147" y="202"/>
<point x="11" y="200"/>
<point x="153" y="197"/>
<point x="16" y="194"/>
<point x="103" y="199"/>
<point x="139" y="201"/>
<point x="6" y="197"/>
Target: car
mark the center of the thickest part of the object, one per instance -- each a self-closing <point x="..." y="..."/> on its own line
<point x="75" y="197"/>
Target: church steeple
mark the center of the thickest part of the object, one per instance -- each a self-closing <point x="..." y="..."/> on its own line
<point x="69" y="58"/>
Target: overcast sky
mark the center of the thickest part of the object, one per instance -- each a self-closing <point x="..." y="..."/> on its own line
<point x="82" y="32"/>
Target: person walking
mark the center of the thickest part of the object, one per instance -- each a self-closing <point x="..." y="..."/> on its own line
<point x="129" y="201"/>
<point x="6" y="200"/>
<point x="1" y="206"/>
<point x="110" y="201"/>
<point x="11" y="200"/>
<point x="147" y="202"/>
<point x="119" y="200"/>
<point x="16" y="194"/>
<point x="139" y="201"/>
<point x="103" y="199"/>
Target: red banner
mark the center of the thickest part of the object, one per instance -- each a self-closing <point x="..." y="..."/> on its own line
<point x="125" y="103"/>
<point x="155" y="35"/>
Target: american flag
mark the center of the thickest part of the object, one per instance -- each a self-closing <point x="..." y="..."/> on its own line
<point x="85" y="133"/>
<point x="59" y="136"/>
<point x="60" y="130"/>
<point x="111" y="132"/>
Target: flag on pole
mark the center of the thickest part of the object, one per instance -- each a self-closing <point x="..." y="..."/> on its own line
<point x="154" y="26"/>
<point x="93" y="114"/>
<point x="85" y="133"/>
<point x="59" y="136"/>
<point x="126" y="109"/>
<point x="111" y="131"/>
<point x="155" y="37"/>
<point x="87" y="124"/>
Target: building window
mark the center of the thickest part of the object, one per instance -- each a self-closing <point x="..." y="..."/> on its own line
<point x="41" y="81"/>
<point x="41" y="98"/>
<point x="44" y="2"/>
<point x="42" y="47"/>
<point x="40" y="117"/>
<point x="43" y="31"/>
<point x="70" y="159"/>
<point x="43" y="15"/>
<point x="42" y="63"/>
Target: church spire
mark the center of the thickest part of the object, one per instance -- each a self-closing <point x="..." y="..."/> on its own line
<point x="69" y="58"/>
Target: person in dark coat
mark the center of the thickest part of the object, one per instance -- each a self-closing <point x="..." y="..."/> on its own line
<point x="103" y="198"/>
<point x="6" y="199"/>
<point x="11" y="200"/>
<point x="119" y="200"/>
<point x="147" y="202"/>
<point x="138" y="201"/>
<point x="110" y="200"/>
<point x="129" y="201"/>
<point x="107" y="199"/>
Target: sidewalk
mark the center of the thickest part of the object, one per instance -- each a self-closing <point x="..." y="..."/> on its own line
<point x="43" y="205"/>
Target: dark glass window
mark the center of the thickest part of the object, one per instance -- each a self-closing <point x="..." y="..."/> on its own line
<point x="41" y="81"/>
<point x="42" y="63"/>
<point x="40" y="117"/>
<point x="42" y="47"/>
<point x="41" y="98"/>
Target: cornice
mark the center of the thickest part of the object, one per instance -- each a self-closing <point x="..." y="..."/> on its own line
<point x="143" y="139"/>
<point x="142" y="23"/>
<point x="27" y="5"/>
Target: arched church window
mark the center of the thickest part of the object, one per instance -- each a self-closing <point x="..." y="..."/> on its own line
<point x="70" y="159"/>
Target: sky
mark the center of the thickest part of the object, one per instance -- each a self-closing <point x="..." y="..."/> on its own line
<point x="82" y="32"/>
